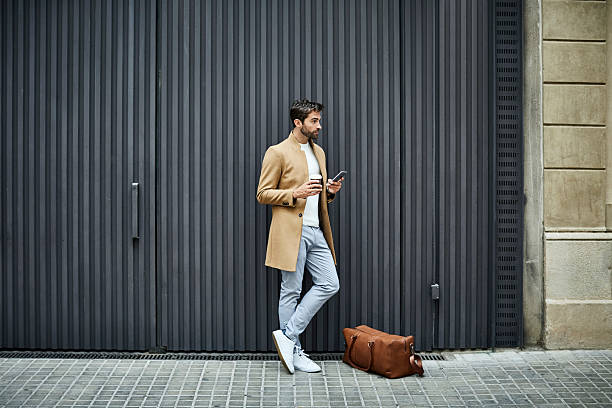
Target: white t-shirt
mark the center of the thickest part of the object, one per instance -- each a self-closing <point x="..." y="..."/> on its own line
<point x="311" y="212"/>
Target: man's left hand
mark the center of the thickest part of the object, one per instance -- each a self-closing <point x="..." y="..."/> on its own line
<point x="334" y="186"/>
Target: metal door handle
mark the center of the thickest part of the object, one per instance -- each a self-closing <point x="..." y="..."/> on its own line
<point x="134" y="195"/>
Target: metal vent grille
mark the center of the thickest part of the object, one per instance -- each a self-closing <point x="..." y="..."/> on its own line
<point x="177" y="356"/>
<point x="509" y="174"/>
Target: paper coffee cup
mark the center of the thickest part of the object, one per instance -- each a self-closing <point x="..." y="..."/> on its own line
<point x="316" y="177"/>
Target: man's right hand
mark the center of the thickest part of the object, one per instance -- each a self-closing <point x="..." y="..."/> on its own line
<point x="307" y="189"/>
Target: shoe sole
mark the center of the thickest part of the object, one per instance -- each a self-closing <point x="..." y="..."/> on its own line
<point x="280" y="355"/>
<point x="307" y="371"/>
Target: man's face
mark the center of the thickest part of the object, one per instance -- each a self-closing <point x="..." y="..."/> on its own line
<point x="311" y="125"/>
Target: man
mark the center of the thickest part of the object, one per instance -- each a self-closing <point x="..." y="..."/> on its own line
<point x="300" y="232"/>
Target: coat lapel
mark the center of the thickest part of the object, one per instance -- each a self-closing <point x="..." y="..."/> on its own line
<point x="317" y="154"/>
<point x="321" y="162"/>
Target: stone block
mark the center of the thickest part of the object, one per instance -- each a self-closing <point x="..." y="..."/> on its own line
<point x="577" y="269"/>
<point x="574" y="62"/>
<point x="609" y="217"/>
<point x="574" y="199"/>
<point x="575" y="104"/>
<point x="573" y="20"/>
<point x="574" y="147"/>
<point x="575" y="324"/>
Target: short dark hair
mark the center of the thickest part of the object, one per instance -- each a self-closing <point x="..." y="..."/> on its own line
<point x="302" y="108"/>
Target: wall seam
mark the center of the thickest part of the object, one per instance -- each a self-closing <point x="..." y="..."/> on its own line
<point x="608" y="203"/>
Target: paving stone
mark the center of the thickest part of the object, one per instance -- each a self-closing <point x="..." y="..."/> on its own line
<point x="513" y="378"/>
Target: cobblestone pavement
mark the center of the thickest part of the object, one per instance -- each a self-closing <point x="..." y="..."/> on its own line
<point x="503" y="378"/>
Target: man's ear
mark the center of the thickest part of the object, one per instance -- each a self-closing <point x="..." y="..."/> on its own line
<point x="297" y="123"/>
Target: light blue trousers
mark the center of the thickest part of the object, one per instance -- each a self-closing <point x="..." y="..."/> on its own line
<point x="315" y="255"/>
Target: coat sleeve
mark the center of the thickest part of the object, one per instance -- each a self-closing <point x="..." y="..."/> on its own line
<point x="267" y="191"/>
<point x="330" y="197"/>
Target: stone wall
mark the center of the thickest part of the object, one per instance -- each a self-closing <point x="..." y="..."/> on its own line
<point x="533" y="268"/>
<point x="577" y="189"/>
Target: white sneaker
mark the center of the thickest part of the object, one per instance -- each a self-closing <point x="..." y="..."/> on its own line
<point x="284" y="347"/>
<point x="303" y="363"/>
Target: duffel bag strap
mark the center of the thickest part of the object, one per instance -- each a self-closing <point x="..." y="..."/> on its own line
<point x="415" y="361"/>
<point x="353" y="363"/>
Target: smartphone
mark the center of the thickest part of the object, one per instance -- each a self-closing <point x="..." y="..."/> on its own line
<point x="340" y="175"/>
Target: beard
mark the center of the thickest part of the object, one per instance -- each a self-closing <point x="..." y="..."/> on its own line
<point x="310" y="135"/>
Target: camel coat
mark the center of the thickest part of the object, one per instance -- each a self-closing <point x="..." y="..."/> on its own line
<point x="284" y="169"/>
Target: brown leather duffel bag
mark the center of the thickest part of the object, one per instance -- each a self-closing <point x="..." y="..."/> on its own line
<point x="392" y="356"/>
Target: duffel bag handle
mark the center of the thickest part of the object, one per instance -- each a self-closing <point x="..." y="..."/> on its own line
<point x="415" y="361"/>
<point x="370" y="346"/>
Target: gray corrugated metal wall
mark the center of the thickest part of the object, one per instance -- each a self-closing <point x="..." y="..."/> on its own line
<point x="229" y="73"/>
<point x="77" y="121"/>
<point x="418" y="97"/>
<point x="464" y="200"/>
<point x="224" y="100"/>
<point x="408" y="92"/>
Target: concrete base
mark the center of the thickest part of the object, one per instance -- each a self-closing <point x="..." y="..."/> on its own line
<point x="578" y="291"/>
<point x="575" y="324"/>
